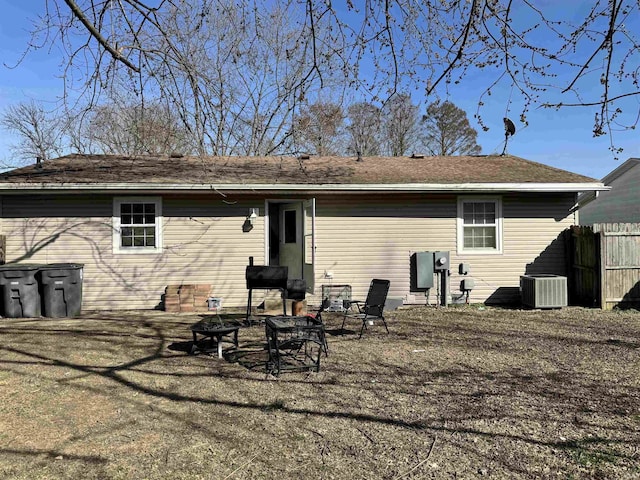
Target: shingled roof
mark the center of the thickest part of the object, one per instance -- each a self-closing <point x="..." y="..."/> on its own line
<point x="269" y="172"/>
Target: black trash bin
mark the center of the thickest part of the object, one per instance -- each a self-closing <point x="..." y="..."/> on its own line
<point x="61" y="285"/>
<point x="20" y="295"/>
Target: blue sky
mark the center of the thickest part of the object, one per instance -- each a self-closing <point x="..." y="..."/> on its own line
<point x="562" y="139"/>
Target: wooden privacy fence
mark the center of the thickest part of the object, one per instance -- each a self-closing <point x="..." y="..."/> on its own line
<point x="604" y="265"/>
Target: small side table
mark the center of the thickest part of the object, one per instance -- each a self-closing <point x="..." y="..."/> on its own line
<point x="294" y="343"/>
<point x="211" y="330"/>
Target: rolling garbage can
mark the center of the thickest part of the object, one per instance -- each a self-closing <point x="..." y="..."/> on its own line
<point x="61" y="285"/>
<point x="20" y="294"/>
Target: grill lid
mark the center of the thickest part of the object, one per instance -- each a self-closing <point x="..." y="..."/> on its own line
<point x="266" y="276"/>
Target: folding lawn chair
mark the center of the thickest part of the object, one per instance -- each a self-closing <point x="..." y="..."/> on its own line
<point x="317" y="318"/>
<point x="372" y="308"/>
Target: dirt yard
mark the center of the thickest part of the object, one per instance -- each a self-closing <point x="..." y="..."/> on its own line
<point x="458" y="393"/>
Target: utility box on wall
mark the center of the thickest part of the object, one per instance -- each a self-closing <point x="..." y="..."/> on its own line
<point x="421" y="271"/>
<point x="440" y="261"/>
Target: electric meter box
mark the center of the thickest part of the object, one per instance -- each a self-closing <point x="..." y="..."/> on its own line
<point x="423" y="270"/>
<point x="440" y="261"/>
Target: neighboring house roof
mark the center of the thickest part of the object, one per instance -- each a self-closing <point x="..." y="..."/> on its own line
<point x="621" y="170"/>
<point x="459" y="173"/>
<point x="608" y="179"/>
<point x="620" y="203"/>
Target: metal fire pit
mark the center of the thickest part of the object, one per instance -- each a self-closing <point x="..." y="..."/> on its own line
<point x="208" y="329"/>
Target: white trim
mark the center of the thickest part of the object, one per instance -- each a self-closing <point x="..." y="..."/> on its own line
<point x="355" y="188"/>
<point x="311" y="284"/>
<point x="267" y="232"/>
<point x="117" y="249"/>
<point x="460" y="225"/>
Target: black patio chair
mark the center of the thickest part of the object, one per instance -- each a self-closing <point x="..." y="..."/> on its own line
<point x="317" y="318"/>
<point x="372" y="308"/>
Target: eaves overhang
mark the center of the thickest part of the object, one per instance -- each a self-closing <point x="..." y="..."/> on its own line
<point x="17" y="188"/>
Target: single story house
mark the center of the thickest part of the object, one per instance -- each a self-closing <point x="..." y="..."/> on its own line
<point x="139" y="224"/>
<point x="621" y="204"/>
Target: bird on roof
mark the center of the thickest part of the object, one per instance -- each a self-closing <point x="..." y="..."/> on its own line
<point x="509" y="127"/>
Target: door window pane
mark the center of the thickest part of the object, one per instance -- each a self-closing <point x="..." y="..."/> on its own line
<point x="290" y="229"/>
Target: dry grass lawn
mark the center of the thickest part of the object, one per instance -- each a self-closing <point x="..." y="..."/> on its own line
<point x="458" y="393"/>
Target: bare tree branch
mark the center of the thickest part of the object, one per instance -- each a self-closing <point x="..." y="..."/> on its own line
<point x="95" y="33"/>
<point x="238" y="71"/>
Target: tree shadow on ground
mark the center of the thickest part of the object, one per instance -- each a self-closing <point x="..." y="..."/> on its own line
<point x="120" y="348"/>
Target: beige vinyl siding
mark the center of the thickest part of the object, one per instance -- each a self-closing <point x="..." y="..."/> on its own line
<point x="358" y="237"/>
<point x="532" y="226"/>
<point x="203" y="243"/>
<point x="365" y="237"/>
<point x="72" y="229"/>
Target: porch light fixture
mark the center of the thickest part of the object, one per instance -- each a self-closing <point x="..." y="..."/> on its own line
<point x="253" y="214"/>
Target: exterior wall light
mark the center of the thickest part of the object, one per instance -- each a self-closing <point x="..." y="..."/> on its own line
<point x="253" y="214"/>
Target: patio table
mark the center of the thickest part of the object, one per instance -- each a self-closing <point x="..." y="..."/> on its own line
<point x="294" y="343"/>
<point x="214" y="330"/>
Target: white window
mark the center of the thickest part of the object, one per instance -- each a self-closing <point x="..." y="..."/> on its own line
<point x="479" y="225"/>
<point x="137" y="225"/>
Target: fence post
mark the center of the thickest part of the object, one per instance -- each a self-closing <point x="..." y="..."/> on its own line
<point x="569" y="255"/>
<point x="601" y="251"/>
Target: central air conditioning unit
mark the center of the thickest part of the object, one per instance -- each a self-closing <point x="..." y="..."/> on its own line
<point x="543" y="291"/>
